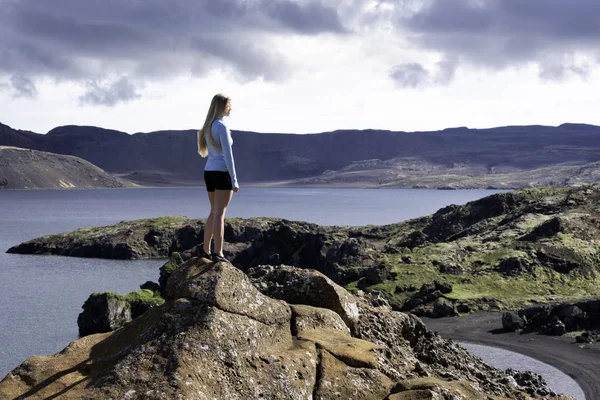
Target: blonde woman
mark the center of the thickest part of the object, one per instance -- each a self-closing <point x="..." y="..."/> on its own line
<point x="214" y="141"/>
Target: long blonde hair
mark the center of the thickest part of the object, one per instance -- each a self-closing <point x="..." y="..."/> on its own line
<point x="217" y="108"/>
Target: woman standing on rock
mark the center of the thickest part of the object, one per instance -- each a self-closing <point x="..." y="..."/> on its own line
<point x="214" y="141"/>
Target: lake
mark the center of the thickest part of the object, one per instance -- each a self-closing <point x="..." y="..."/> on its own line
<point x="41" y="296"/>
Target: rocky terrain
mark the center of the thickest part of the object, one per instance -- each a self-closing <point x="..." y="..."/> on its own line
<point x="501" y="252"/>
<point x="300" y="337"/>
<point x="31" y="169"/>
<point x="582" y="317"/>
<point x="503" y="157"/>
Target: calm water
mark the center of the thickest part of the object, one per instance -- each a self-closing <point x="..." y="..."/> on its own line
<point x="557" y="380"/>
<point x="41" y="296"/>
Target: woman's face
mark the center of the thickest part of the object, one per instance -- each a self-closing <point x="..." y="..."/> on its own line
<point x="228" y="108"/>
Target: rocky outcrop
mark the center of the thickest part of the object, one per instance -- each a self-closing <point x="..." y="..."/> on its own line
<point x="511" y="321"/>
<point x="497" y="253"/>
<point x="218" y="336"/>
<point x="429" y="301"/>
<point x="146" y="238"/>
<point x="556" y="319"/>
<point x="106" y="312"/>
<point x="103" y="312"/>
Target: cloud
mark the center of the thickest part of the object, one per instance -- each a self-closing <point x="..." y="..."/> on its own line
<point x="23" y="86"/>
<point x="498" y="34"/>
<point x="410" y="75"/>
<point x="82" y="41"/>
<point x="415" y="75"/>
<point x="109" y="93"/>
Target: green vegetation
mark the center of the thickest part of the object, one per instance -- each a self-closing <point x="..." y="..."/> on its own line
<point x="174" y="262"/>
<point x="92" y="233"/>
<point x="493" y="262"/>
<point x="139" y="297"/>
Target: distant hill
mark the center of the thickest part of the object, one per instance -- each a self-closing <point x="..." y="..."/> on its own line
<point x="31" y="169"/>
<point x="453" y="157"/>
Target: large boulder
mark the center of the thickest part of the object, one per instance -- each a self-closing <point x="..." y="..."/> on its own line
<point x="219" y="337"/>
<point x="511" y="321"/>
<point x="305" y="286"/>
<point x="108" y="311"/>
<point x="103" y="312"/>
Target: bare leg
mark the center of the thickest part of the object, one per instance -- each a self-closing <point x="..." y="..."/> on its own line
<point x="209" y="225"/>
<point x="222" y="199"/>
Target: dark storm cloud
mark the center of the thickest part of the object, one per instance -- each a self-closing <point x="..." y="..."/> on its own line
<point x="86" y="41"/>
<point x="505" y="33"/>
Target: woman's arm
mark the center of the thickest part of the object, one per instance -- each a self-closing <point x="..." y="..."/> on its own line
<point x="226" y="143"/>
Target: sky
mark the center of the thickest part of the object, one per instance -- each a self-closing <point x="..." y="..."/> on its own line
<point x="299" y="66"/>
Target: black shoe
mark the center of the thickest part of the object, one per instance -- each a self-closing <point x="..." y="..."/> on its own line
<point x="218" y="258"/>
<point x="204" y="254"/>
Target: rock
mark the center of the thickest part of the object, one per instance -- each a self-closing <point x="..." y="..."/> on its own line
<point x="450" y="268"/>
<point x="583" y="338"/>
<point x="443" y="307"/>
<point x="377" y="274"/>
<point x="557" y="328"/>
<point x="308" y="319"/>
<point x="369" y="384"/>
<point x="545" y="230"/>
<point x="443" y="287"/>
<point x="560" y="318"/>
<point x="414" y="239"/>
<point x="568" y="311"/>
<point x="427" y="289"/>
<point x="463" y="308"/>
<point x="103" y="312"/>
<point x="305" y="286"/>
<point x="533" y="383"/>
<point x="514" y="266"/>
<point x="149" y="285"/>
<point x="125" y="240"/>
<point x="218" y="337"/>
<point x="428" y="301"/>
<point x="511" y="321"/>
<point x="166" y="270"/>
<point x="226" y="287"/>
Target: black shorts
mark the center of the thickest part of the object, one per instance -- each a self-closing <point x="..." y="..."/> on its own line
<point x="219" y="180"/>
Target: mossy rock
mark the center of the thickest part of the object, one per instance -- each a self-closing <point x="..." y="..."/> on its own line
<point x="166" y="270"/>
<point x="108" y="311"/>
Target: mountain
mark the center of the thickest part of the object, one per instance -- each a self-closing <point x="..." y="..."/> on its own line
<point x="32" y="169"/>
<point x="454" y="157"/>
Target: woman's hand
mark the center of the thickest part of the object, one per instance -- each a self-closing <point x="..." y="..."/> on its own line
<point x="235" y="189"/>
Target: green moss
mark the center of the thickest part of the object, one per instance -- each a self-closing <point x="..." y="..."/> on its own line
<point x="587" y="250"/>
<point x="142" y="296"/>
<point x="92" y="233"/>
<point x="174" y="262"/>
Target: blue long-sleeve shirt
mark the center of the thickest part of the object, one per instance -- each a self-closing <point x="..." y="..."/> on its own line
<point x="221" y="160"/>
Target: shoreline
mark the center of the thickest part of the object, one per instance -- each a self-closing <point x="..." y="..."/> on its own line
<point x="580" y="362"/>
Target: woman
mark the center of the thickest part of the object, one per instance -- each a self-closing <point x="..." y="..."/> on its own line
<point x="214" y="141"/>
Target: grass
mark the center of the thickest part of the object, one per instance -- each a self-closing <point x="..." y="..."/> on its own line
<point x="92" y="233"/>
<point x="143" y="296"/>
